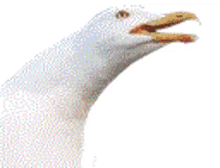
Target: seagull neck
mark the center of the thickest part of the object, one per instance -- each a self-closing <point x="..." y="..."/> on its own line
<point x="101" y="74"/>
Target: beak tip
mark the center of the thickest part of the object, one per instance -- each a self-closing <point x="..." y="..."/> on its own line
<point x="197" y="20"/>
<point x="194" y="38"/>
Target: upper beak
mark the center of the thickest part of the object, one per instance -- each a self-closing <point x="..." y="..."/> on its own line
<point x="167" y="21"/>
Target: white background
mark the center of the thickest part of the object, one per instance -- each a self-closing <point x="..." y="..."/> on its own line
<point x="163" y="111"/>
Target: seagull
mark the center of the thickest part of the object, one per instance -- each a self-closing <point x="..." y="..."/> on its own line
<point x="47" y="102"/>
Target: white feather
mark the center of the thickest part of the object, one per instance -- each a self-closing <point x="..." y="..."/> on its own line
<point x="47" y="102"/>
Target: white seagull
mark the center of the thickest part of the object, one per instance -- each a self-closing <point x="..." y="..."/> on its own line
<point x="47" y="102"/>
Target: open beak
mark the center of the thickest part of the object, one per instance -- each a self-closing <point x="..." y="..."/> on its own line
<point x="167" y="21"/>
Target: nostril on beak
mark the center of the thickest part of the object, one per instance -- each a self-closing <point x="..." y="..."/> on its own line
<point x="179" y="16"/>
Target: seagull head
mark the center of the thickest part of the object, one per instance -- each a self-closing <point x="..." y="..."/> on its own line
<point x="117" y="37"/>
<point x="125" y="28"/>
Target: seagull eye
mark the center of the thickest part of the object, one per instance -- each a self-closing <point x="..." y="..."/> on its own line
<point x="122" y="14"/>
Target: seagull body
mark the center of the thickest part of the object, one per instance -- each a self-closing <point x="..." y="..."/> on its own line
<point x="46" y="103"/>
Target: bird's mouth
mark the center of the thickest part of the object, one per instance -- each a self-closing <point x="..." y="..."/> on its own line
<point x="167" y="21"/>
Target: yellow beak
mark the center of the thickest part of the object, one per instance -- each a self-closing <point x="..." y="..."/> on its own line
<point x="167" y="21"/>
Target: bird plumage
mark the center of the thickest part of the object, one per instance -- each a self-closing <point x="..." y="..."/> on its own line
<point x="47" y="102"/>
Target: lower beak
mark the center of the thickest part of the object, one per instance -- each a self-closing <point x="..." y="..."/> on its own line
<point x="167" y="21"/>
